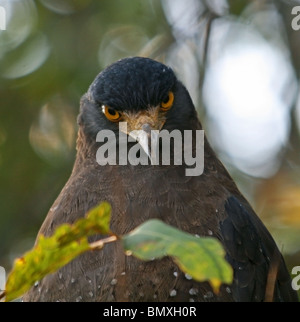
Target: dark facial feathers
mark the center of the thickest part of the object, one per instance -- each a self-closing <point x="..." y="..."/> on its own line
<point x="132" y="84"/>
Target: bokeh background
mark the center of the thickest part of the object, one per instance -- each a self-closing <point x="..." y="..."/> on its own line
<point x="239" y="59"/>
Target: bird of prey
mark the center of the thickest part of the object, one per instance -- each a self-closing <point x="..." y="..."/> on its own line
<point x="148" y="96"/>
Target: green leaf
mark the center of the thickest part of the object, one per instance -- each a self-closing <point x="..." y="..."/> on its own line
<point x="201" y="258"/>
<point x="50" y="254"/>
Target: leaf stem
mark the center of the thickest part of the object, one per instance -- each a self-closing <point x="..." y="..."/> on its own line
<point x="100" y="243"/>
<point x="2" y="295"/>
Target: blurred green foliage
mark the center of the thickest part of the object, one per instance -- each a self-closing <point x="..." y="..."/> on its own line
<point x="80" y="44"/>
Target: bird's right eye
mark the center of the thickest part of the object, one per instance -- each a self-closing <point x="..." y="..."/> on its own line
<point x="111" y="114"/>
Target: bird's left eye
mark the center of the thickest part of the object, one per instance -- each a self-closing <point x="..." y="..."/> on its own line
<point x="111" y="114"/>
<point x="168" y="102"/>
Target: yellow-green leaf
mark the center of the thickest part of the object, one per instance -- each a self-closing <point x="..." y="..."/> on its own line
<point x="203" y="258"/>
<point x="51" y="253"/>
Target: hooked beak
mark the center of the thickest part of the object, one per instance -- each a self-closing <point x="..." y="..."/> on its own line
<point x="144" y="128"/>
<point x="147" y="137"/>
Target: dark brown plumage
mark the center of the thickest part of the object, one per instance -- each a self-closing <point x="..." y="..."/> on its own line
<point x="207" y="205"/>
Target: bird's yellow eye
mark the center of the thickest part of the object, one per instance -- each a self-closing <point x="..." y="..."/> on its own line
<point x="111" y="114"/>
<point x="168" y="102"/>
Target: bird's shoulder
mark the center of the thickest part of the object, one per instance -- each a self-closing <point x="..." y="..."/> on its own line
<point x="260" y="271"/>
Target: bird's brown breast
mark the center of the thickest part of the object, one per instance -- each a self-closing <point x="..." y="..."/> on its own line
<point x="136" y="195"/>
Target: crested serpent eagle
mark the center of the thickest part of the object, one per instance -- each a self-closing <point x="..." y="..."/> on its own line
<point x="147" y="96"/>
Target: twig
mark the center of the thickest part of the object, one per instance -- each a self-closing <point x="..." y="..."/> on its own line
<point x="100" y="243"/>
<point x="2" y="294"/>
<point x="272" y="277"/>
